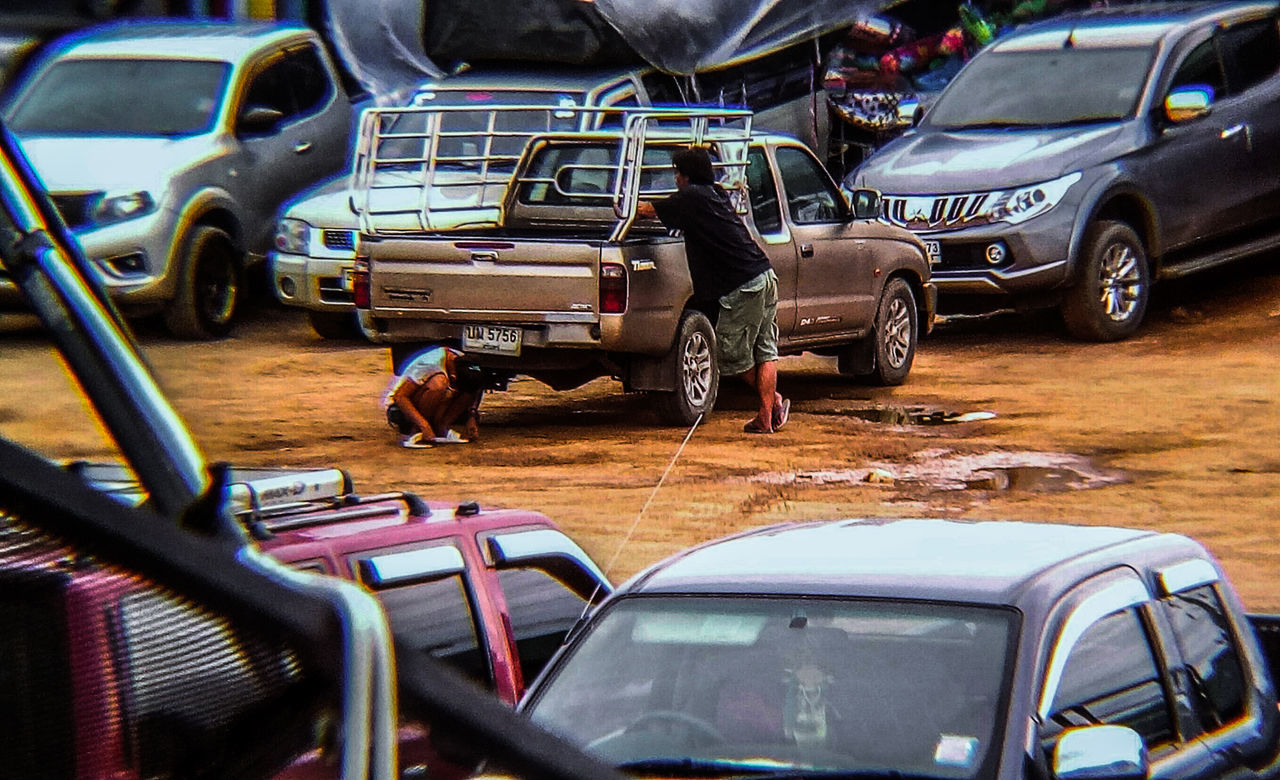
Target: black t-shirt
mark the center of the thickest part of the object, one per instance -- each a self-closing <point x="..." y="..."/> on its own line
<point x="722" y="254"/>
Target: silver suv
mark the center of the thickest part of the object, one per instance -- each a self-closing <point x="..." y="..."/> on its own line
<point x="168" y="147"/>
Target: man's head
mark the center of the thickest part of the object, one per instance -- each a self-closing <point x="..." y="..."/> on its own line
<point x="693" y="163"/>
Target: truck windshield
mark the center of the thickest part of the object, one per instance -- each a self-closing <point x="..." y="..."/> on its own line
<point x="1073" y="86"/>
<point x="129" y="97"/>
<point x="823" y="685"/>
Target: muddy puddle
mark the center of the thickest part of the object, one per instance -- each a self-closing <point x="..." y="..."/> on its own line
<point x="1035" y="472"/>
<point x="908" y="415"/>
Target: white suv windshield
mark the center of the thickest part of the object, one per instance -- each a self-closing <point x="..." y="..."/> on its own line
<point x="142" y="97"/>
<point x="1072" y="86"/>
<point x="663" y="682"/>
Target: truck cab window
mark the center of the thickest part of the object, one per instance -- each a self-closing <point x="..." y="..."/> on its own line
<point x="810" y="195"/>
<point x="764" y="195"/>
<point x="1209" y="651"/>
<point x="311" y="84"/>
<point x="1201" y="66"/>
<point x="1111" y="677"/>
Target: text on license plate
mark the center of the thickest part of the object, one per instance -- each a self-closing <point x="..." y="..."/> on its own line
<point x="490" y="338"/>
<point x="934" y="250"/>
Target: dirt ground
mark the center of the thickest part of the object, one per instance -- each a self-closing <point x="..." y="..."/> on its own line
<point x="1176" y="429"/>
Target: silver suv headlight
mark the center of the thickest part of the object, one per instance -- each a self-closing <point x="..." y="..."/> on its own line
<point x="1031" y="201"/>
<point x="112" y="208"/>
<point x="292" y="237"/>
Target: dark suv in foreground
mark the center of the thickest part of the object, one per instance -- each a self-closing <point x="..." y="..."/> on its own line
<point x="1078" y="160"/>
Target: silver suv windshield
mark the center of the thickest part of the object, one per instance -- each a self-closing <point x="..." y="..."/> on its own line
<point x="123" y="97"/>
<point x="1073" y="86"/>
<point x="661" y="683"/>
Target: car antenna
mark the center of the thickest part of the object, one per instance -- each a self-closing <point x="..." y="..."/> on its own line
<point x="609" y="566"/>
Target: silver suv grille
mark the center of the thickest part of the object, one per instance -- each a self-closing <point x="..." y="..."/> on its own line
<point x="940" y="212"/>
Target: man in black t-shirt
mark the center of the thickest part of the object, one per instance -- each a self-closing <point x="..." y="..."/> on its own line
<point x="727" y="266"/>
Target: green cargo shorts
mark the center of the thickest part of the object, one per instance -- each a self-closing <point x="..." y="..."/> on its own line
<point x="747" y="329"/>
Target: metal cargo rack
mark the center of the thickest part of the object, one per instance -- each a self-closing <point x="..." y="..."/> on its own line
<point x="420" y="170"/>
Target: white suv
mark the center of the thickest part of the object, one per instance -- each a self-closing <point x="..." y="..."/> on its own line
<point x="168" y="148"/>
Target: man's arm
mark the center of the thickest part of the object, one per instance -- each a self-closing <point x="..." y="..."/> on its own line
<point x="403" y="399"/>
<point x="645" y="210"/>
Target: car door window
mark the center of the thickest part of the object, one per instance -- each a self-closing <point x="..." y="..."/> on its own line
<point x="542" y="610"/>
<point x="810" y="195"/>
<point x="1251" y="53"/>
<point x="764" y="195"/>
<point x="1201" y="67"/>
<point x="428" y="605"/>
<point x="1213" y="662"/>
<point x="1111" y="677"/>
<point x="271" y="88"/>
<point x="311" y="84"/>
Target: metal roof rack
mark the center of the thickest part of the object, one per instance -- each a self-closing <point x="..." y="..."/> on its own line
<point x="420" y="169"/>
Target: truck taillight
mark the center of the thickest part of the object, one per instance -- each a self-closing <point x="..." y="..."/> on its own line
<point x="360" y="283"/>
<point x="613" y="288"/>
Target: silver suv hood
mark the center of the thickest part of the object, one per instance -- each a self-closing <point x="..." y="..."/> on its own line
<point x="86" y="163"/>
<point x="938" y="161"/>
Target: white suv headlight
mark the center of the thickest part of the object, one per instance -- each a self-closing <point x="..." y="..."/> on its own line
<point x="112" y="208"/>
<point x="1032" y="201"/>
<point x="292" y="237"/>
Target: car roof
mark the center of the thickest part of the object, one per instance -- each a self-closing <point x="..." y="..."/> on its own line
<point x="1141" y="24"/>
<point x="213" y="40"/>
<point x="986" y="562"/>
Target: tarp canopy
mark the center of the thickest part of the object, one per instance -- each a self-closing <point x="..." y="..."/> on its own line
<point x="391" y="45"/>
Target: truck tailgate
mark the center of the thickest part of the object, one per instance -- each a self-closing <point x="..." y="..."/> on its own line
<point x="468" y="278"/>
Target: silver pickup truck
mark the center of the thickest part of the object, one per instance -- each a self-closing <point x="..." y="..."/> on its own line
<point x="562" y="282"/>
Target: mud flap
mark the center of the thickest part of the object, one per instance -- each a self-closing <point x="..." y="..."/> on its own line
<point x="650" y="373"/>
<point x="859" y="358"/>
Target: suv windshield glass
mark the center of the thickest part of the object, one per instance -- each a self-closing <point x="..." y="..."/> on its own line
<point x="797" y="682"/>
<point x="1072" y="86"/>
<point x="151" y="97"/>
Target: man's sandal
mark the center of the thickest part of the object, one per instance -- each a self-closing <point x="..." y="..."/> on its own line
<point x="754" y="427"/>
<point x="781" y="413"/>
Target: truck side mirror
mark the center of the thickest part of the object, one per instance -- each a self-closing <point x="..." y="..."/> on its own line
<point x="865" y="203"/>
<point x="1098" y="752"/>
<point x="1188" y="102"/>
<point x="258" y="120"/>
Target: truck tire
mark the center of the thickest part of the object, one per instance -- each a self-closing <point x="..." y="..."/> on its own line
<point x="697" y="375"/>
<point x="893" y="342"/>
<point x="1110" y="294"/>
<point x="335" y="325"/>
<point x="209" y="286"/>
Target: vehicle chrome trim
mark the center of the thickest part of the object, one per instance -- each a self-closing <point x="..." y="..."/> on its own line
<point x="438" y="561"/>
<point x="1185" y="576"/>
<point x="524" y="546"/>
<point x="1128" y="592"/>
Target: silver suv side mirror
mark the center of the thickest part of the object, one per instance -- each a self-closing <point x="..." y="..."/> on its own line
<point x="865" y="203"/>
<point x="1188" y="102"/>
<point x="1097" y="752"/>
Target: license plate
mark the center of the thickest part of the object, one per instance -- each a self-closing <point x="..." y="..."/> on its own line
<point x="347" y="283"/>
<point x="490" y="338"/>
<point x="934" y="250"/>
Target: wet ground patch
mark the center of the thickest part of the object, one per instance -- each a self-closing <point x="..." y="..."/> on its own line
<point x="1028" y="471"/>
<point x="907" y="415"/>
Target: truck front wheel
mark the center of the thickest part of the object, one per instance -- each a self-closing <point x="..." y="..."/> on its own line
<point x="892" y="348"/>
<point x="209" y="286"/>
<point x="1109" y="298"/>
<point x="696" y="374"/>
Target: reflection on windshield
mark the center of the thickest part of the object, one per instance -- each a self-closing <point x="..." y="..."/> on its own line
<point x="121" y="97"/>
<point x="1072" y="86"/>
<point x="827" y="685"/>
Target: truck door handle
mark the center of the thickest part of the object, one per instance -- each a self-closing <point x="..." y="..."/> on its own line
<point x="301" y="147"/>
<point x="806" y="250"/>
<point x="1235" y="130"/>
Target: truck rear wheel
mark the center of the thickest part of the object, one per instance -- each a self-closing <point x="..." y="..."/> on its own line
<point x="1110" y="295"/>
<point x="696" y="374"/>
